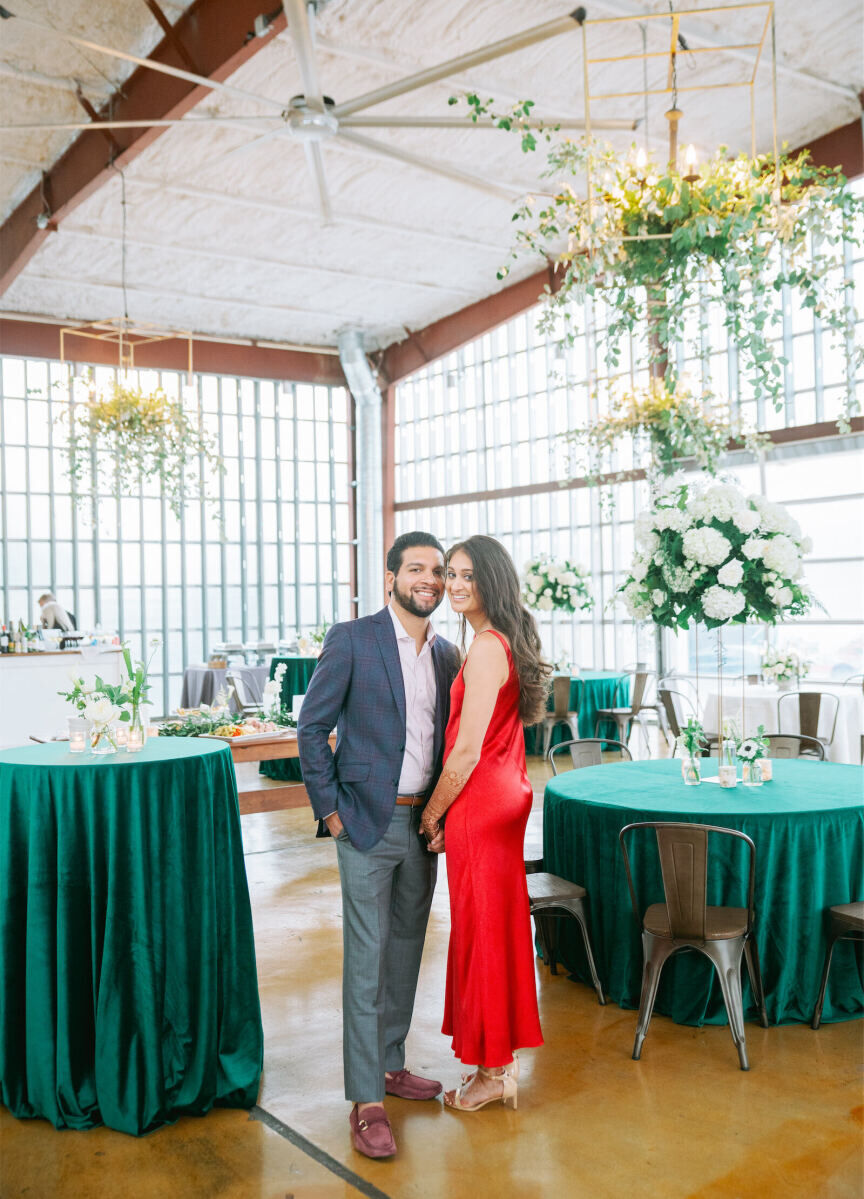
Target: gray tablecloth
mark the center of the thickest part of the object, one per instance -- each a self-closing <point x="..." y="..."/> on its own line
<point x="200" y="683"/>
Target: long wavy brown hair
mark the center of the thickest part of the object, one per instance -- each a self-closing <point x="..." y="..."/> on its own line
<point x="497" y="586"/>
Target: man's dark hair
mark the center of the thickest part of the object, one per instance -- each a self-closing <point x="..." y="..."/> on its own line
<point x="401" y="544"/>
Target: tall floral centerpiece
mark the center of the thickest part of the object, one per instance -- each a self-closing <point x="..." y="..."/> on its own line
<point x="138" y="686"/>
<point x="550" y="585"/>
<point x="714" y="556"/>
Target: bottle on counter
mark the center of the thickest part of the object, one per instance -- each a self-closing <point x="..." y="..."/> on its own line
<point x="4" y="640"/>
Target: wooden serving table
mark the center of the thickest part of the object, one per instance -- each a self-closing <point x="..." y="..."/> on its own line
<point x="272" y="798"/>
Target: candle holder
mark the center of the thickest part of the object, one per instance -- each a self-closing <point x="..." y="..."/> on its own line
<point x="135" y="742"/>
<point x="121" y="736"/>
<point x="77" y="741"/>
<point x="727" y="775"/>
<point x="767" y="769"/>
<point x="152" y="731"/>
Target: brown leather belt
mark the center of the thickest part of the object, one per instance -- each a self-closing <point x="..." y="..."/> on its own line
<point x="412" y="801"/>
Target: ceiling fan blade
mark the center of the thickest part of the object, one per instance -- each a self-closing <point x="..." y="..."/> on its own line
<point x="143" y="124"/>
<point x="298" y="17"/>
<point x="528" y="37"/>
<point x="315" y="162"/>
<point x="434" y="166"/>
<point x="394" y="122"/>
<point x="150" y="63"/>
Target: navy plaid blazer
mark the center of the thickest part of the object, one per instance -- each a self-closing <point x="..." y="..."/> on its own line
<point x="357" y="687"/>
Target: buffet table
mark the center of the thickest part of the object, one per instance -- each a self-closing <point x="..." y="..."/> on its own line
<point x="294" y="682"/>
<point x="589" y="690"/>
<point x="29" y="686"/>
<point x="760" y="707"/>
<point x="808" y="828"/>
<point x="128" y="994"/>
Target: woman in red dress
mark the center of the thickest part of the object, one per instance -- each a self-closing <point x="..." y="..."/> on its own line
<point x="490" y="1007"/>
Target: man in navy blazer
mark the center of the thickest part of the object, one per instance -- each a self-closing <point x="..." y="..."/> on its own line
<point x="384" y="682"/>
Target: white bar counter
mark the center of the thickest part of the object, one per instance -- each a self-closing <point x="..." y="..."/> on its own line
<point x="29" y="684"/>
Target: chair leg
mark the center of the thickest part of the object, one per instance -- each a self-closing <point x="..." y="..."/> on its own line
<point x="655" y="951"/>
<point x="541" y="928"/>
<point x="726" y="956"/>
<point x="547" y="737"/>
<point x="834" y="937"/>
<point x="751" y="957"/>
<point x="577" y="907"/>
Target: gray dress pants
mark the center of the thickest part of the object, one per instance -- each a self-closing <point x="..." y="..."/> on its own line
<point x="386" y="896"/>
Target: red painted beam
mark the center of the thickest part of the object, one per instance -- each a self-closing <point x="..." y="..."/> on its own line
<point x="403" y="357"/>
<point x="843" y="148"/>
<point x="217" y="34"/>
<point x="33" y="339"/>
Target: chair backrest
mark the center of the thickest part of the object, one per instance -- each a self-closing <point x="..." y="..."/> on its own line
<point x="810" y="705"/>
<point x="640" y="681"/>
<point x="790" y="745"/>
<point x="677" y="707"/>
<point x="683" y="852"/>
<point x="561" y="696"/>
<point x="244" y="698"/>
<point x="854" y="680"/>
<point x="587" y="751"/>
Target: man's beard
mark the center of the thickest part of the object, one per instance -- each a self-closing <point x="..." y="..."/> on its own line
<point x="407" y="601"/>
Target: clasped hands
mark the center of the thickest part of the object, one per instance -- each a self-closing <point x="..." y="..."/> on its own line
<point x="432" y="829"/>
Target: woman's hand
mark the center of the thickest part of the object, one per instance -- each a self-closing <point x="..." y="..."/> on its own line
<point x="430" y="826"/>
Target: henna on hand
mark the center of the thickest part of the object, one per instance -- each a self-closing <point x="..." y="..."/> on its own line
<point x="448" y="789"/>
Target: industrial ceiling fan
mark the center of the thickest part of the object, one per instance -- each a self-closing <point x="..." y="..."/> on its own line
<point x="313" y="118"/>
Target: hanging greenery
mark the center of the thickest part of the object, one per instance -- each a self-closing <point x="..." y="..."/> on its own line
<point x="665" y="424"/>
<point x="122" y="436"/>
<point x="648" y="238"/>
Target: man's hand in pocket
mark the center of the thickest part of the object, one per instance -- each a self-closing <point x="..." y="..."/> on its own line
<point x="334" y="824"/>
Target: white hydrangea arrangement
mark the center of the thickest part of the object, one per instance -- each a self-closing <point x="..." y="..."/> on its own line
<point x="549" y="584"/>
<point x="712" y="555"/>
<point x="782" y="665"/>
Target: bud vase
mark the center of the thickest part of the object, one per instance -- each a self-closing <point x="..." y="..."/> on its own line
<point x="101" y="741"/>
<point x="691" y="771"/>
<point x="751" y="773"/>
<point x="137" y="732"/>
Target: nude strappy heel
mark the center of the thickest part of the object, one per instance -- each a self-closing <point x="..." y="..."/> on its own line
<point x="507" y="1096"/>
<point x="512" y="1069"/>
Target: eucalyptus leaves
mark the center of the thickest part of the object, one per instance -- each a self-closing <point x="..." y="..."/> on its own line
<point x="123" y="436"/>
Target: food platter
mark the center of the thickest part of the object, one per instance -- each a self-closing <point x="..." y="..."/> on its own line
<point x="250" y="738"/>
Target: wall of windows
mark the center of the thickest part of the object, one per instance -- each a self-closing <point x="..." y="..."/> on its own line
<point x="268" y="555"/>
<point x="478" y="449"/>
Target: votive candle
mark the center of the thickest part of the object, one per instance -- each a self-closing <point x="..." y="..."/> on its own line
<point x="767" y="769"/>
<point x="153" y="730"/>
<point x="121" y="735"/>
<point x="77" y="742"/>
<point x="136" y="741"/>
<point x="728" y="775"/>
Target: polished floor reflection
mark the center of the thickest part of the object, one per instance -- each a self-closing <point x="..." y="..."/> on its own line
<point x="684" y="1123"/>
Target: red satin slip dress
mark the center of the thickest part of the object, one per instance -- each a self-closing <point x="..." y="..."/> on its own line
<point x="490" y="1005"/>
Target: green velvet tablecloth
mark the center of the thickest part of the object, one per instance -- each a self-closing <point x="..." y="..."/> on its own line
<point x="294" y="682"/>
<point x="589" y="690"/>
<point x="808" y="828"/>
<point x="128" y="988"/>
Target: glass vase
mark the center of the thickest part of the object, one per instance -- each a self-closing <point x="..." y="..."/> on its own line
<point x="101" y="741"/>
<point x="751" y="773"/>
<point x="137" y="733"/>
<point x="691" y="771"/>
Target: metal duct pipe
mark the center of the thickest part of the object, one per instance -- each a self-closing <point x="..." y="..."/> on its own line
<point x="370" y="523"/>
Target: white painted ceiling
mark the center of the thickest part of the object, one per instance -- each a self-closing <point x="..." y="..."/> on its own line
<point x="235" y="246"/>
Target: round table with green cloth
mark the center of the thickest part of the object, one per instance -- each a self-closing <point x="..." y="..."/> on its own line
<point x="808" y="829"/>
<point x="294" y="682"/>
<point x="589" y="691"/>
<point x="128" y="988"/>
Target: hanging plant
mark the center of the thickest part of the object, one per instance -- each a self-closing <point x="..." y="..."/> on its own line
<point x="122" y="436"/>
<point x="665" y="424"/>
<point x="548" y="584"/>
<point x="648" y="238"/>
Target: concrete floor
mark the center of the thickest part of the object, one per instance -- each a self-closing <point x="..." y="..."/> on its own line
<point x="684" y="1123"/>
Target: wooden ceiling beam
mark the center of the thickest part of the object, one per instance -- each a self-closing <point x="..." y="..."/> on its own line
<point x="219" y="36"/>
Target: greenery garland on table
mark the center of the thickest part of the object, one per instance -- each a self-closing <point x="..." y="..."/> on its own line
<point x="675" y="424"/>
<point x="122" y="436"/>
<point x="711" y="555"/>
<point x="649" y="238"/>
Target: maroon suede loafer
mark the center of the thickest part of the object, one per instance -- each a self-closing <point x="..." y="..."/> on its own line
<point x="406" y="1085"/>
<point x="371" y="1133"/>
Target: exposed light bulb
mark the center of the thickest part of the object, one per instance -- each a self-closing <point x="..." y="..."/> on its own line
<point x="43" y="220"/>
<point x="641" y="159"/>
<point x="690" y="157"/>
